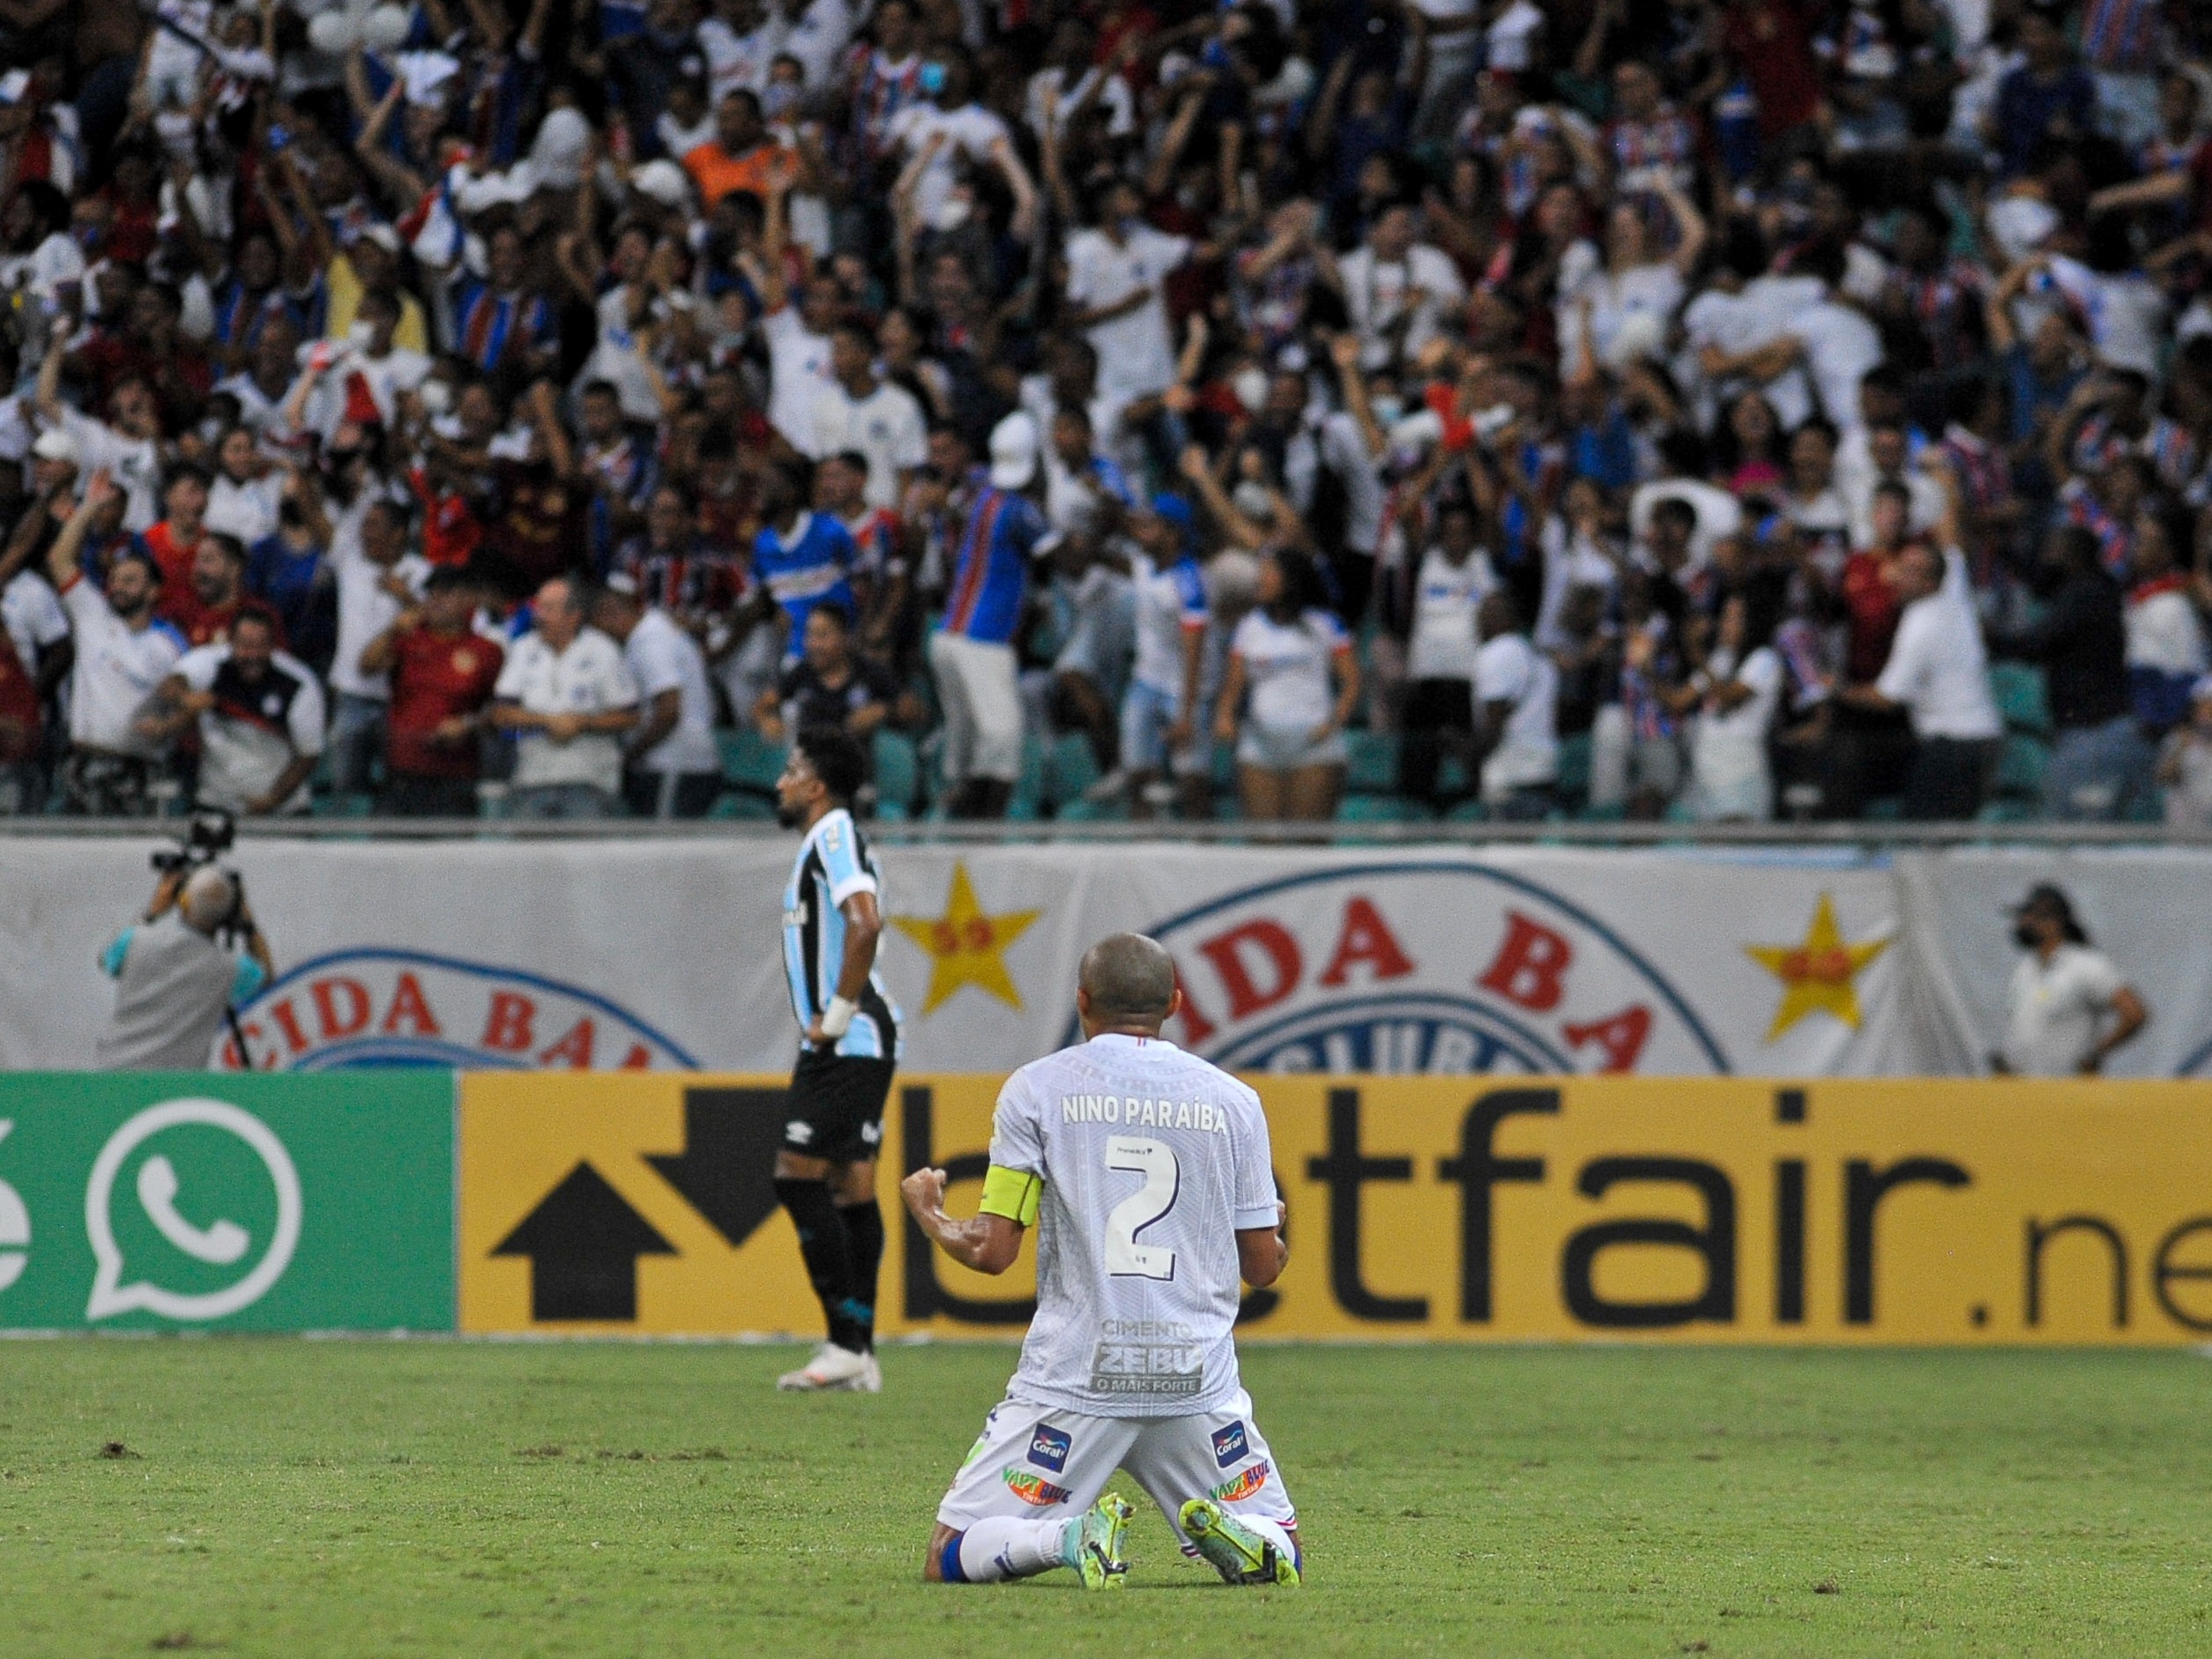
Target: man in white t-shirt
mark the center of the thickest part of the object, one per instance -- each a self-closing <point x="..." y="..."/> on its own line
<point x="1397" y="290"/>
<point x="949" y="126"/>
<point x="123" y="653"/>
<point x="1146" y="1173"/>
<point x="671" y="767"/>
<point x="1938" y="673"/>
<point x="565" y="691"/>
<point x="259" y="713"/>
<point x="1116" y="275"/>
<point x="1518" y="740"/>
<point x="129" y="451"/>
<point x="872" y="417"/>
<point x="377" y="579"/>
<point x="799" y="371"/>
<point x="2068" y="1006"/>
<point x="1449" y="585"/>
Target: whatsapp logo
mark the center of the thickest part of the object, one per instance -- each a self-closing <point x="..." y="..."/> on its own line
<point x="210" y="1192"/>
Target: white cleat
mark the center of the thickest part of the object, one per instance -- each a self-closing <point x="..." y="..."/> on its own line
<point x="832" y="1370"/>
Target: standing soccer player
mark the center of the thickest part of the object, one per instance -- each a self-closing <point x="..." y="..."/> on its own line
<point x="825" y="1171"/>
<point x="1147" y="1174"/>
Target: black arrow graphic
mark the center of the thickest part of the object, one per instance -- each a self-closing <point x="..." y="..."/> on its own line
<point x="726" y="1169"/>
<point x="584" y="1240"/>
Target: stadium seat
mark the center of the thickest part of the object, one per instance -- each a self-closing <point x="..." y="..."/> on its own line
<point x="1574" y="768"/>
<point x="2020" y="768"/>
<point x="752" y="765"/>
<point x="897" y="774"/>
<point x="2021" y="696"/>
<point x="1028" y="803"/>
<point x="1374" y="761"/>
<point x="1380" y="809"/>
<point x="1081" y="811"/>
<point x="1069" y="769"/>
<point x="1225" y="768"/>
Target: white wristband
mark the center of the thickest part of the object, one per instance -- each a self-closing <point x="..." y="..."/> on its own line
<point x="838" y="1016"/>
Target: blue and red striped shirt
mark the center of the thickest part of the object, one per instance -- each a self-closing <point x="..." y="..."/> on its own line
<point x="991" y="570"/>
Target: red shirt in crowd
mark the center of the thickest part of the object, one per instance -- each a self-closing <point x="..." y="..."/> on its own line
<point x="200" y="623"/>
<point x="18" y="706"/>
<point x="1874" y="608"/>
<point x="1770" y="43"/>
<point x="173" y="555"/>
<point x="435" y="678"/>
<point x="450" y="529"/>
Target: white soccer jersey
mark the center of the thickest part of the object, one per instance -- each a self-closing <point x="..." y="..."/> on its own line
<point x="1152" y="1161"/>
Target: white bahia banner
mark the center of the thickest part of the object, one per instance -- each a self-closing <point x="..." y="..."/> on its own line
<point x="666" y="954"/>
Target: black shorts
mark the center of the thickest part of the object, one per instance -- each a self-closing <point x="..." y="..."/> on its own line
<point x="835" y="1109"/>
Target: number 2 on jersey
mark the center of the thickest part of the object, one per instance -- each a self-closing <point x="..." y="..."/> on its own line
<point x="1155" y="1161"/>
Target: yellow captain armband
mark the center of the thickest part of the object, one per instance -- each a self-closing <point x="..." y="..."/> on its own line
<point x="1013" y="1194"/>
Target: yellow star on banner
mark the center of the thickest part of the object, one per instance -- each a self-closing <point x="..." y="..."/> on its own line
<point x="966" y="946"/>
<point x="1818" y="976"/>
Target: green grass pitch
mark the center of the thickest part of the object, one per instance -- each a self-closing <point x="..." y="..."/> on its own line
<point x="288" y="1498"/>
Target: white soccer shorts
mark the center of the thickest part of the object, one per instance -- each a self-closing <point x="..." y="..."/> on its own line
<point x="1033" y="1462"/>
<point x="982" y="700"/>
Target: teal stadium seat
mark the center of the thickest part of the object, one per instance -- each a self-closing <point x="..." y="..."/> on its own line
<point x="1379" y="809"/>
<point x="2021" y="765"/>
<point x="1373" y="768"/>
<point x="1028" y="803"/>
<point x="897" y="774"/>
<point x="1574" y="768"/>
<point x="1069" y="769"/>
<point x="751" y="764"/>
<point x="2023" y="697"/>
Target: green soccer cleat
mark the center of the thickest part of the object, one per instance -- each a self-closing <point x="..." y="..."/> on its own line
<point x="1093" y="1544"/>
<point x="1235" y="1551"/>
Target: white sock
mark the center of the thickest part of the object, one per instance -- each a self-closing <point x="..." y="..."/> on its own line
<point x="1005" y="1548"/>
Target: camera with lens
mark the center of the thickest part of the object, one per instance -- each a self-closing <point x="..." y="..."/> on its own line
<point x="207" y="837"/>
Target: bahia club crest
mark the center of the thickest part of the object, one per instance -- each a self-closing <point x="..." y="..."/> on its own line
<point x="1423" y="967"/>
<point x="375" y="1007"/>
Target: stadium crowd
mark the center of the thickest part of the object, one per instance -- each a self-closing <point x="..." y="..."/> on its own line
<point x="1717" y="409"/>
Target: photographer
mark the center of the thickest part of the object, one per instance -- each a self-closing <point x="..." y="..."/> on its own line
<point x="175" y="982"/>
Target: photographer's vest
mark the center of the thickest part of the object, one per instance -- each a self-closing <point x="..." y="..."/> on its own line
<point x="171" y="996"/>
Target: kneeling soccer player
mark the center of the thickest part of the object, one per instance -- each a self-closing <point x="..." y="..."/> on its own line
<point x="1147" y="1174"/>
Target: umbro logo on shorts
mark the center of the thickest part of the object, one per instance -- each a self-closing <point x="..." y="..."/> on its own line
<point x="871" y="1133"/>
<point x="798" y="1132"/>
<point x="1048" y="1448"/>
<point x="1228" y="1444"/>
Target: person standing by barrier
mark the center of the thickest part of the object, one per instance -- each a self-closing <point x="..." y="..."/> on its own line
<point x="566" y="691"/>
<point x="825" y="1170"/>
<point x="2062" y="995"/>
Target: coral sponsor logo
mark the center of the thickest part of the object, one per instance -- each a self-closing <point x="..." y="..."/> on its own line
<point x="1033" y="1489"/>
<point x="1244" y="1486"/>
<point x="1048" y="1448"/>
<point x="373" y="1008"/>
<point x="1421" y="967"/>
<point x="1229" y="1443"/>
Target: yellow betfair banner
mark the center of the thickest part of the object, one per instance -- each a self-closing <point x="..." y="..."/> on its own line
<point x="1470" y="1208"/>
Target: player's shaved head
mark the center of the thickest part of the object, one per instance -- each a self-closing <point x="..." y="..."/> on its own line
<point x="1126" y="979"/>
